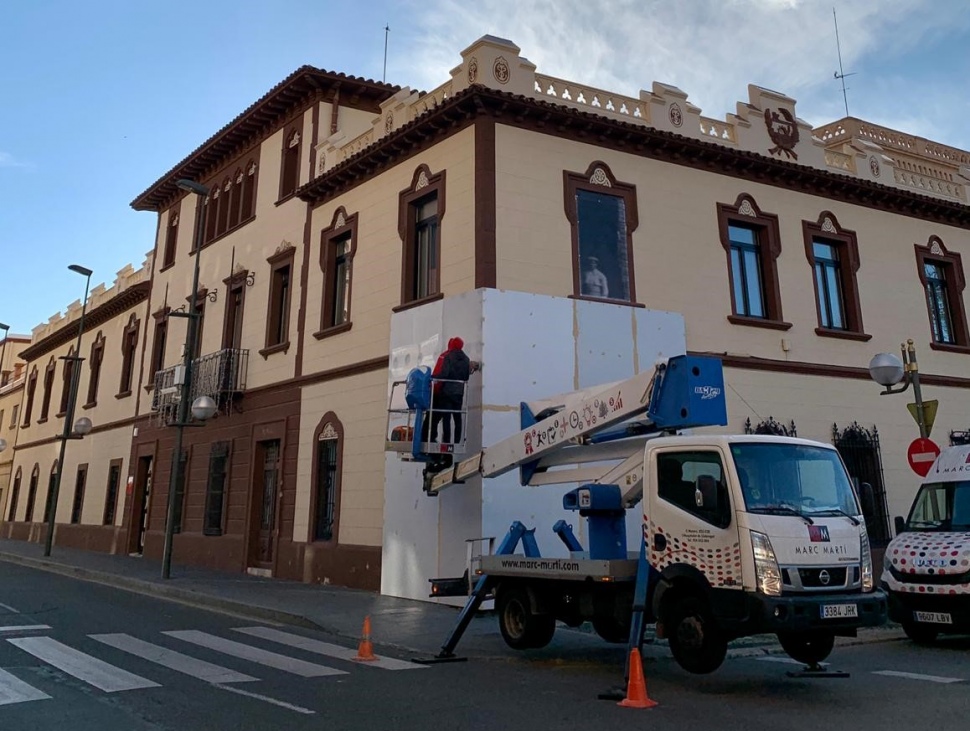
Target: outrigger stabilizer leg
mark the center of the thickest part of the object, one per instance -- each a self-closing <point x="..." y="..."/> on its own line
<point x="483" y="588"/>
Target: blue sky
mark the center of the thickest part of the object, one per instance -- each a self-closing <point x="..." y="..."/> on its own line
<point x="102" y="97"/>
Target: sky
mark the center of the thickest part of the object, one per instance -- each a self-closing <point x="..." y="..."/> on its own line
<point x="99" y="98"/>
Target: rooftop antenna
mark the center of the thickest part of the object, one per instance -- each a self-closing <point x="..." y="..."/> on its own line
<point x="839" y="74"/>
<point x="387" y="29"/>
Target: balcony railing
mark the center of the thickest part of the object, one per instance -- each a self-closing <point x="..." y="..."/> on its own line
<point x="219" y="375"/>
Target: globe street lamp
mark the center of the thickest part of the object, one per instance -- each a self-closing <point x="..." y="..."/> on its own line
<point x="76" y="360"/>
<point x="185" y="390"/>
<point x="887" y="370"/>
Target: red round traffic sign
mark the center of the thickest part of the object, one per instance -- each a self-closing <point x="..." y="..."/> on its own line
<point x="922" y="454"/>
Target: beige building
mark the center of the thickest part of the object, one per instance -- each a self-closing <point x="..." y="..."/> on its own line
<point x="91" y="506"/>
<point x="11" y="392"/>
<point x="336" y="202"/>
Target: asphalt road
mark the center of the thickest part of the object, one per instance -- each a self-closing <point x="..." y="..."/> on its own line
<point x="101" y="658"/>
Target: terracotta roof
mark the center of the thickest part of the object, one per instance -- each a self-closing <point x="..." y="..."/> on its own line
<point x="298" y="88"/>
<point x="559" y="120"/>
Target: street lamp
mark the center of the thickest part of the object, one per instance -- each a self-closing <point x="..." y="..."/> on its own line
<point x="71" y="403"/>
<point x="887" y="370"/>
<point x="3" y="351"/>
<point x="185" y="390"/>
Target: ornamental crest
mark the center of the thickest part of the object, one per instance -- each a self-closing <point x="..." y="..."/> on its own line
<point x="783" y="131"/>
<point x="473" y="70"/>
<point x="501" y="70"/>
<point x="389" y="122"/>
<point x="874" y="166"/>
<point x="675" y="115"/>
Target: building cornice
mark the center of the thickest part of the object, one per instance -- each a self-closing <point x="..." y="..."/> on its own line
<point x="258" y="120"/>
<point x="98" y="316"/>
<point x="559" y="120"/>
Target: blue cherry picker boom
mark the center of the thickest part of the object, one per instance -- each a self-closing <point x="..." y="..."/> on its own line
<point x="741" y="534"/>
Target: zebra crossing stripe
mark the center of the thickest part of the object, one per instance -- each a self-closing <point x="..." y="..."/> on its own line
<point x="83" y="667"/>
<point x="254" y="654"/>
<point x="325" y="648"/>
<point x="24" y="628"/>
<point x="173" y="660"/>
<point x="917" y="676"/>
<point x="14" y="690"/>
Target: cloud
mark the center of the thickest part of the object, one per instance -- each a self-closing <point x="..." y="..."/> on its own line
<point x="711" y="49"/>
<point x="7" y="161"/>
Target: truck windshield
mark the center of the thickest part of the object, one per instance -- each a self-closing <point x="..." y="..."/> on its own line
<point x="941" y="506"/>
<point x="780" y="478"/>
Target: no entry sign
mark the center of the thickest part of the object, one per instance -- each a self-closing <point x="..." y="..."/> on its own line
<point x="922" y="454"/>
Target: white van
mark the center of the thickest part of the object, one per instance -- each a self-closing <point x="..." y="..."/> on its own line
<point x="926" y="569"/>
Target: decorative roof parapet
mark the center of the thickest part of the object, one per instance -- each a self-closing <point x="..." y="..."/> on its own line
<point x="130" y="287"/>
<point x="767" y="124"/>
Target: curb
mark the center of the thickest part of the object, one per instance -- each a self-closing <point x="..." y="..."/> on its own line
<point x="170" y="593"/>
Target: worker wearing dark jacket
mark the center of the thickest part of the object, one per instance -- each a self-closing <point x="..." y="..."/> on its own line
<point x="452" y="372"/>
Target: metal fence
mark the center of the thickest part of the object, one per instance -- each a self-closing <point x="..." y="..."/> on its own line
<point x="862" y="455"/>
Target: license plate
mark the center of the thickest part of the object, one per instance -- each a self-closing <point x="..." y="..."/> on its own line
<point x="839" y="611"/>
<point x="934" y="617"/>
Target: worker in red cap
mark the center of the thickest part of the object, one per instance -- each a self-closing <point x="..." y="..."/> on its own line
<point x="450" y="374"/>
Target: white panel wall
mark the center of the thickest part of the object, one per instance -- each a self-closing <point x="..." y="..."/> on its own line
<point x="531" y="347"/>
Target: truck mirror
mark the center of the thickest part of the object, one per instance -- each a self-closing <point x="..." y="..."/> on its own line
<point x="868" y="499"/>
<point x="900" y="525"/>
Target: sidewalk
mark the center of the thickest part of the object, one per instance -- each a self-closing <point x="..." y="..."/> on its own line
<point x="405" y="625"/>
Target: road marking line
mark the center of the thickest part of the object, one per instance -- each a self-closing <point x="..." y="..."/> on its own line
<point x="83" y="667"/>
<point x="24" y="627"/>
<point x="14" y="690"/>
<point x="917" y="676"/>
<point x="173" y="660"/>
<point x="255" y="654"/>
<point x="9" y="608"/>
<point x="325" y="648"/>
<point x="257" y="696"/>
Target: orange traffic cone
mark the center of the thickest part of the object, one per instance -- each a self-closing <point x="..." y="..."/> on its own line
<point x="365" y="650"/>
<point x="636" y="692"/>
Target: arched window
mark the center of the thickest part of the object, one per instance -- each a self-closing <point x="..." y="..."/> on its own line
<point x="290" y="168"/>
<point x="15" y="495"/>
<point x="32" y="493"/>
<point x="327" y="468"/>
<point x="49" y="501"/>
<point x="249" y="192"/>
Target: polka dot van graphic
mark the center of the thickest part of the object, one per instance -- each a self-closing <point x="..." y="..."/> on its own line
<point x="929" y="563"/>
<point x="720" y="564"/>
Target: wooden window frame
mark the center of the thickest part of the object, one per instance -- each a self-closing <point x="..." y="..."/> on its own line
<point x="423" y="186"/>
<point x="68" y="376"/>
<point x="217" y="450"/>
<point x="200" y="300"/>
<point x="320" y="434"/>
<point x="600" y="180"/>
<point x="935" y="252"/>
<point x="746" y="213"/>
<point x="170" y="250"/>
<point x="29" y="401"/>
<point x="238" y="281"/>
<point x="279" y="306"/>
<point x="341" y="229"/>
<point x="129" y="346"/>
<point x="15" y="495"/>
<point x="80" y="485"/>
<point x="231" y="202"/>
<point x="827" y="230"/>
<point x="94" y="372"/>
<point x="49" y="507"/>
<point x="290" y="154"/>
<point x="109" y="514"/>
<point x="32" y="486"/>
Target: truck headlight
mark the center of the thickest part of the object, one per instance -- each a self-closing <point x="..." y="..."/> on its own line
<point x="766" y="566"/>
<point x="866" y="553"/>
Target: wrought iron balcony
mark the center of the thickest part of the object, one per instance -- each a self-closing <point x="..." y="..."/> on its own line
<point x="219" y="375"/>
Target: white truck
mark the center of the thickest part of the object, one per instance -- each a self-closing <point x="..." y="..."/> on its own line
<point x="741" y="535"/>
<point x="926" y="568"/>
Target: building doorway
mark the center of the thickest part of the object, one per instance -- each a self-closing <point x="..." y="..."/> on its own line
<point x="140" y="502"/>
<point x="265" y="496"/>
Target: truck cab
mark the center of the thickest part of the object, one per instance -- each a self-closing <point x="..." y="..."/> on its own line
<point x="927" y="565"/>
<point x="755" y="534"/>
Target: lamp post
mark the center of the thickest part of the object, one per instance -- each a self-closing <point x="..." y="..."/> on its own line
<point x="185" y="390"/>
<point x="3" y="350"/>
<point x="887" y="370"/>
<point x="76" y="359"/>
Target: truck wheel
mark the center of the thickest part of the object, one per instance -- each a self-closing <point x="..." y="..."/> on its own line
<point x="697" y="643"/>
<point x="919" y="633"/>
<point x="807" y="647"/>
<point x="521" y="628"/>
<point x="611" y="630"/>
